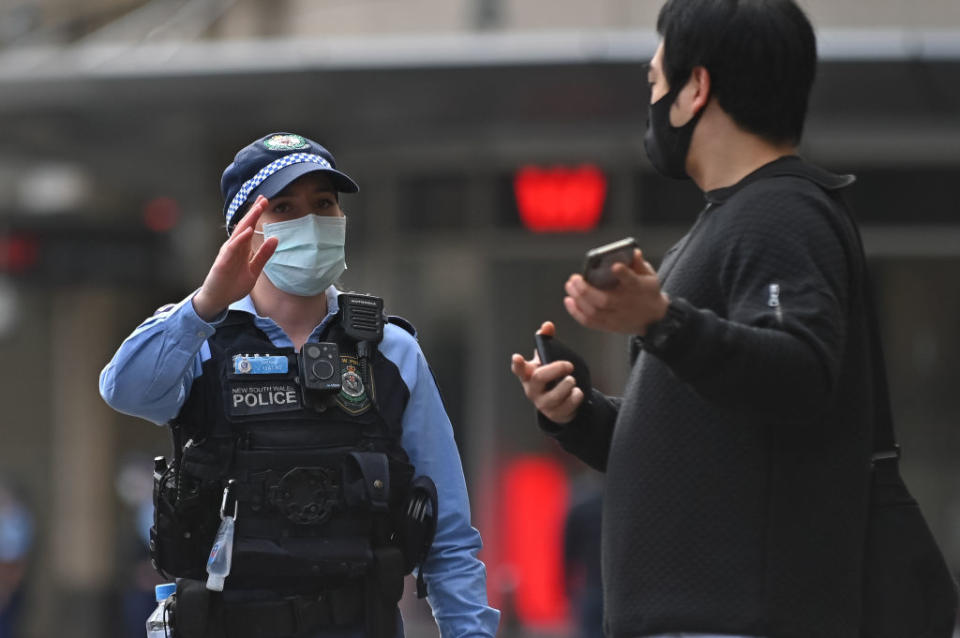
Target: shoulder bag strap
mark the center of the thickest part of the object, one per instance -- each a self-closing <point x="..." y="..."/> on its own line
<point x="884" y="440"/>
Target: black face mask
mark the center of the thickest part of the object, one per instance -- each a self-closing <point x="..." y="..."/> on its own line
<point x="667" y="145"/>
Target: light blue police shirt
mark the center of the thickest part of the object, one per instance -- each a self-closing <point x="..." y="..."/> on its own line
<point x="151" y="375"/>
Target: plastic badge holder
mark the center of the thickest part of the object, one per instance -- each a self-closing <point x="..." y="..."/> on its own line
<point x="552" y="349"/>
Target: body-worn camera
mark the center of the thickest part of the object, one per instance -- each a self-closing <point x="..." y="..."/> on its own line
<point x="320" y="367"/>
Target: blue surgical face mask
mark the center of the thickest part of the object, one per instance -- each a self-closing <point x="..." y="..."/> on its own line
<point x="309" y="256"/>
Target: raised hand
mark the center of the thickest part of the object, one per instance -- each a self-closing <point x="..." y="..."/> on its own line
<point x="236" y="268"/>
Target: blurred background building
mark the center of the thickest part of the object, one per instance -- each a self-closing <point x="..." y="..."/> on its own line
<point x="495" y="141"/>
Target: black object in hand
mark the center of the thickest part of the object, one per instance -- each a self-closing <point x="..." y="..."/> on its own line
<point x="598" y="263"/>
<point x="551" y="349"/>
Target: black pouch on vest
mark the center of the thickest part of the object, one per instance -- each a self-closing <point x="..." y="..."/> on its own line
<point x="184" y="516"/>
<point x="197" y="611"/>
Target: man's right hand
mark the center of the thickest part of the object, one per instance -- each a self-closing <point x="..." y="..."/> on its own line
<point x="236" y="268"/>
<point x="561" y="402"/>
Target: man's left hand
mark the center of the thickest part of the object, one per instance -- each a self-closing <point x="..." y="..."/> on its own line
<point x="628" y="308"/>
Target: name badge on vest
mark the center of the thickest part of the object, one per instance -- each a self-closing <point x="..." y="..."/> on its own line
<point x="261" y="384"/>
<point x="252" y="364"/>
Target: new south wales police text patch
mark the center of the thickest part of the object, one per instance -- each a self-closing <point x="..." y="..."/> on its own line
<point x="262" y="397"/>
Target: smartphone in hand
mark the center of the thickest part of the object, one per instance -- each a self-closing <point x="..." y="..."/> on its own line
<point x="551" y="349"/>
<point x="598" y="263"/>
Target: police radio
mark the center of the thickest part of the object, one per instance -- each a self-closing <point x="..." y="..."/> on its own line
<point x="361" y="316"/>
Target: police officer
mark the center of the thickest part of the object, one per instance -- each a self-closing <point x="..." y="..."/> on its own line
<point x="306" y="416"/>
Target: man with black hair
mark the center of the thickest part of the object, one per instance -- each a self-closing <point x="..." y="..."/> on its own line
<point x="737" y="459"/>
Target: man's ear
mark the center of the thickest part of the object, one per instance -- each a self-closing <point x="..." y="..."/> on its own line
<point x="693" y="97"/>
<point x="700" y="78"/>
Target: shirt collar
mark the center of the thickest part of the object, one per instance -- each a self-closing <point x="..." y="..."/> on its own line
<point x="273" y="331"/>
<point x="790" y="165"/>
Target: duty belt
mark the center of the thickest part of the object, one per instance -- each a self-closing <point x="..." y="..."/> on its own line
<point x="291" y="616"/>
<point x="202" y="614"/>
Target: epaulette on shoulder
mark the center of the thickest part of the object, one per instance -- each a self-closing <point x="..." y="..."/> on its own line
<point x="236" y="318"/>
<point x="403" y="323"/>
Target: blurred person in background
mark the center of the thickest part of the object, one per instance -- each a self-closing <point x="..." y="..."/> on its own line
<point x="309" y="417"/>
<point x="16" y="539"/>
<point x="581" y="554"/>
<point x="737" y="460"/>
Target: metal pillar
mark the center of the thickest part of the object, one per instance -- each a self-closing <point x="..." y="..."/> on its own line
<point x="80" y="537"/>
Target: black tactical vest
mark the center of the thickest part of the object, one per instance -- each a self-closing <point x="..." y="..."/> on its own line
<point x="320" y="481"/>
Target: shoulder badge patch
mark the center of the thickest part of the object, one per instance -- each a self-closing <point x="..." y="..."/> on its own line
<point x="353" y="395"/>
<point x="285" y="142"/>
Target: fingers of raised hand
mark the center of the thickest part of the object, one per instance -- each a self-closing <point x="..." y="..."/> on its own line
<point x="239" y="242"/>
<point x="253" y="215"/>
<point x="263" y="254"/>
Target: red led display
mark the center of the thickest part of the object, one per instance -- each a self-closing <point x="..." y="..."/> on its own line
<point x="18" y="253"/>
<point x="535" y="501"/>
<point x="560" y="199"/>
<point x="161" y="214"/>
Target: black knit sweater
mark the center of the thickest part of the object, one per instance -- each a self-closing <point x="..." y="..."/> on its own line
<point x="737" y="459"/>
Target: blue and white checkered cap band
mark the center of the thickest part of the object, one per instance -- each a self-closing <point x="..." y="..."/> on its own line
<point x="267" y="171"/>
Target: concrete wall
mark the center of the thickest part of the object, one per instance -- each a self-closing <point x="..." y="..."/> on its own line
<point x="304" y="17"/>
<point x="70" y="19"/>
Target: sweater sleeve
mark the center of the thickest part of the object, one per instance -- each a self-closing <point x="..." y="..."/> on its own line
<point x="588" y="436"/>
<point x="783" y="272"/>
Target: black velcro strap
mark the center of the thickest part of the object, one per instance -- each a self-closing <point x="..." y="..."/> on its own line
<point x="367" y="480"/>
